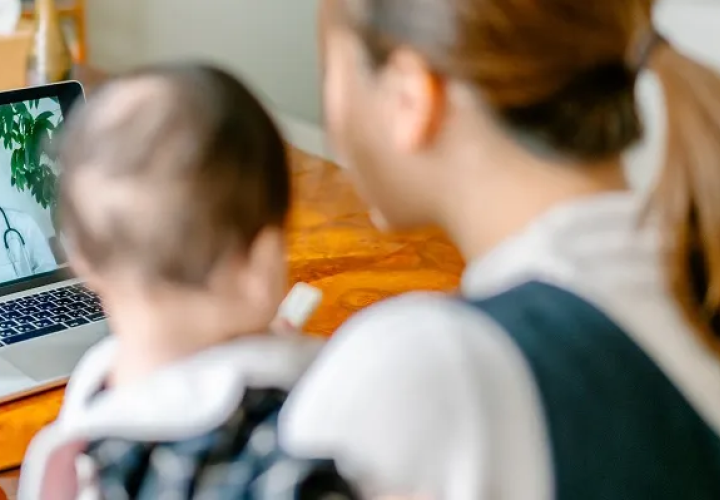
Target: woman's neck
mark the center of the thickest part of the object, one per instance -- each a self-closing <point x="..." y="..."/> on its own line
<point x="477" y="222"/>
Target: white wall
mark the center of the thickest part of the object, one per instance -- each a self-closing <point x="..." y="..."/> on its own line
<point x="10" y="197"/>
<point x="273" y="43"/>
<point x="694" y="27"/>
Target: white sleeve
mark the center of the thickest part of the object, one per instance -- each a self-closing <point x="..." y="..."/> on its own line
<point x="391" y="400"/>
<point x="42" y="259"/>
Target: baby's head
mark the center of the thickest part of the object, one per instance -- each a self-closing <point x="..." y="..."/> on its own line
<point x="175" y="190"/>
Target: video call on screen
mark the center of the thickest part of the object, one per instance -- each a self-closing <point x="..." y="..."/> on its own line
<point x="28" y="190"/>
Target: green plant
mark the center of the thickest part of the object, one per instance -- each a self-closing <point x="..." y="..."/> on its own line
<point x="29" y="137"/>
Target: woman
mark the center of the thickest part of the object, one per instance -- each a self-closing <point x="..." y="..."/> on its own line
<point x="582" y="360"/>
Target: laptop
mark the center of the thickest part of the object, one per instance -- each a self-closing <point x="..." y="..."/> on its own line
<point x="48" y="319"/>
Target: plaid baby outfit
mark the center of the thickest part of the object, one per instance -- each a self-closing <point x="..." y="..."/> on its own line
<point x="240" y="459"/>
<point x="203" y="428"/>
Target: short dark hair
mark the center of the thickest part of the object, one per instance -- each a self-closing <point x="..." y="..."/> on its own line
<point x="195" y="169"/>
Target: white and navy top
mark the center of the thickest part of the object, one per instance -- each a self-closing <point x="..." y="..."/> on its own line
<point x="203" y="427"/>
<point x="566" y="371"/>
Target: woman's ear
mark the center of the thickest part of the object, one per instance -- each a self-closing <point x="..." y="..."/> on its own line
<point x="418" y="97"/>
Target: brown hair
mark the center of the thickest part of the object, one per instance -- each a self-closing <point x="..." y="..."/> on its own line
<point x="562" y="74"/>
<point x="171" y="169"/>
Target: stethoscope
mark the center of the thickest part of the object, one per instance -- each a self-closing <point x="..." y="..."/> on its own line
<point x="7" y="234"/>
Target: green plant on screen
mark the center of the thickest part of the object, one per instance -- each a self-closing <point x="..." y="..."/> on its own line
<point x="29" y="138"/>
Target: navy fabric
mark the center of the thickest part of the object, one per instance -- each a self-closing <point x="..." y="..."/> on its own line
<point x="619" y="429"/>
<point x="239" y="460"/>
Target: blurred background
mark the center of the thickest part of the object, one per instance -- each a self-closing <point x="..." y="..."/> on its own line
<point x="273" y="44"/>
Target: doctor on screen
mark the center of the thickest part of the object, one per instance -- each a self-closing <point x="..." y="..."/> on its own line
<point x="24" y="249"/>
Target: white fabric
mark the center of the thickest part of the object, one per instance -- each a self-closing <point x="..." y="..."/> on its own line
<point x="21" y="261"/>
<point x="183" y="400"/>
<point x="10" y="12"/>
<point x="423" y="395"/>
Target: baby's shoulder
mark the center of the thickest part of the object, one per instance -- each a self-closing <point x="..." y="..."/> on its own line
<point x="89" y="374"/>
<point x="241" y="457"/>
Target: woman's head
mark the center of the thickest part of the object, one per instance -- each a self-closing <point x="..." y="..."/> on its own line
<point x="552" y="80"/>
<point x="176" y="178"/>
<point x="488" y="111"/>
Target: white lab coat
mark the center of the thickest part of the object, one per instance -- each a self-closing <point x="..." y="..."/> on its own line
<point x="21" y="261"/>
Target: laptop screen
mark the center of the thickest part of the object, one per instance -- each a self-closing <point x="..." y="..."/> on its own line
<point x="30" y="243"/>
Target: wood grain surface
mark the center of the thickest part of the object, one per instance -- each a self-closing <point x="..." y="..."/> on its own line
<point x="333" y="246"/>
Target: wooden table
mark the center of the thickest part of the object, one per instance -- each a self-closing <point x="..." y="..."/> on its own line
<point x="333" y="246"/>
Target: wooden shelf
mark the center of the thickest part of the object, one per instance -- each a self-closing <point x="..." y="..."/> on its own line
<point x="64" y="6"/>
<point x="70" y="10"/>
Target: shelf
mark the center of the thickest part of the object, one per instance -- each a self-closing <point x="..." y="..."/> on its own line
<point x="64" y="6"/>
<point x="72" y="13"/>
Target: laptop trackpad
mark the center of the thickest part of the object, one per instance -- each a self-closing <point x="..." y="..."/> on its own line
<point x="13" y="380"/>
<point x="54" y="356"/>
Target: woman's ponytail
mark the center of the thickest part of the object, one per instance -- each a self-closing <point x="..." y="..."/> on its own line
<point x="687" y="197"/>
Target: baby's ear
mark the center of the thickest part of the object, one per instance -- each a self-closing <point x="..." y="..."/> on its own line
<point x="266" y="268"/>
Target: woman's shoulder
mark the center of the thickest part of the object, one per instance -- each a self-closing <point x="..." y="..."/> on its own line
<point x="412" y="373"/>
<point x="423" y="313"/>
<point x="417" y="324"/>
<point x="410" y="332"/>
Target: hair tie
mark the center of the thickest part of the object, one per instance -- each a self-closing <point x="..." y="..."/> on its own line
<point x="644" y="49"/>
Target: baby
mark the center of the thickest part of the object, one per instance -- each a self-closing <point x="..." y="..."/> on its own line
<point x="175" y="192"/>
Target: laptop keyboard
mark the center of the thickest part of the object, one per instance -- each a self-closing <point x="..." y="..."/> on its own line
<point x="48" y="312"/>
